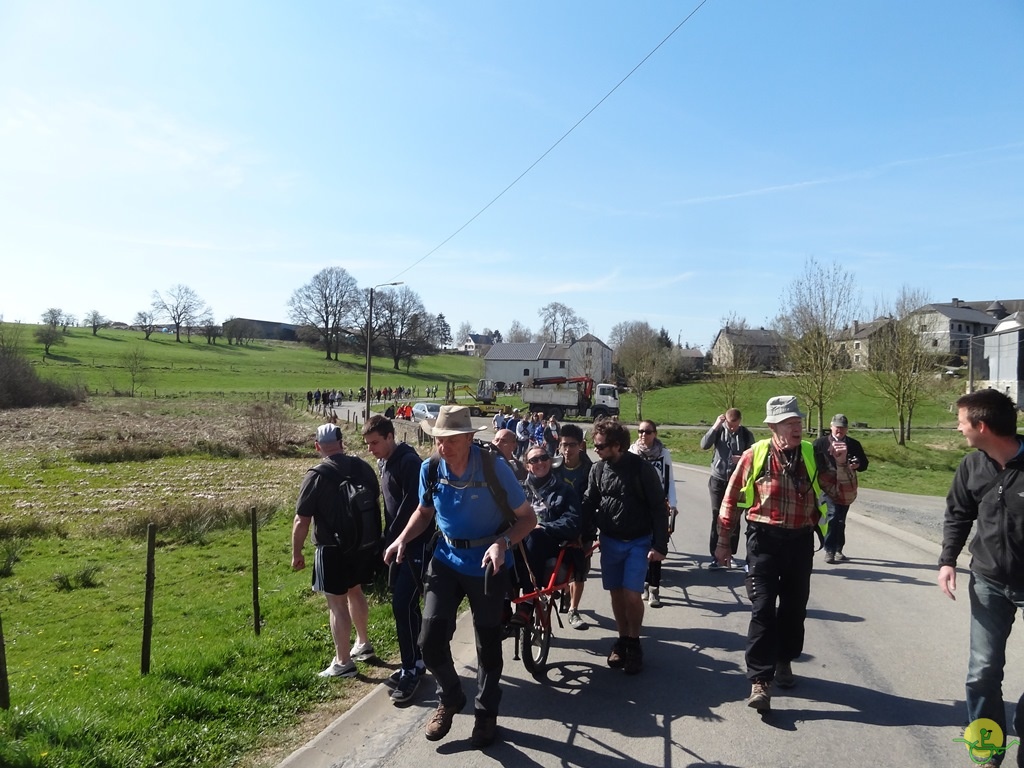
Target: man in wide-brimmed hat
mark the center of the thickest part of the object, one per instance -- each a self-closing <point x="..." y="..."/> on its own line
<point x="477" y="531"/>
<point x="777" y="483"/>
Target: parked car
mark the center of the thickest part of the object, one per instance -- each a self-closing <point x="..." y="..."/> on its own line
<point x="422" y="411"/>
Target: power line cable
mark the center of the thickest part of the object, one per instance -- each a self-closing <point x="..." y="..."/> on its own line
<point x="550" y="149"/>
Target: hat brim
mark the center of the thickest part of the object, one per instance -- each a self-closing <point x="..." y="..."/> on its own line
<point x="428" y="427"/>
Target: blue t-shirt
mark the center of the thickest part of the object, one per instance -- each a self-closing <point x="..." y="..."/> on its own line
<point x="465" y="509"/>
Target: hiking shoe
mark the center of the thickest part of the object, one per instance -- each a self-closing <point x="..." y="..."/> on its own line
<point x="406" y="687"/>
<point x="737" y="564"/>
<point x="784" y="676"/>
<point x="617" y="657"/>
<point x="337" y="669"/>
<point x="394" y="677"/>
<point x="634" y="659"/>
<point x="485" y="730"/>
<point x="362" y="651"/>
<point x="760" y="696"/>
<point x="655" y="601"/>
<point x="830" y="557"/>
<point x="840" y="557"/>
<point x="576" y="621"/>
<point x="441" y="721"/>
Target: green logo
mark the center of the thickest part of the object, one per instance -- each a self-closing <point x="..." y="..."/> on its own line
<point x="984" y="738"/>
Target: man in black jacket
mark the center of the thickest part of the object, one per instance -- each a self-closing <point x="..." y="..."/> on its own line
<point x="835" y="536"/>
<point x="399" y="466"/>
<point x="625" y="499"/>
<point x="988" y="488"/>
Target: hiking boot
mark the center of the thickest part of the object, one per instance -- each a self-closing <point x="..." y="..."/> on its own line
<point x="337" y="669"/>
<point x="784" y="676"/>
<point x="655" y="601"/>
<point x="576" y="621"/>
<point x="485" y="730"/>
<point x="617" y="657"/>
<point x="634" y="659"/>
<point x="441" y="721"/>
<point x="840" y="557"/>
<point x="362" y="651"/>
<point x="406" y="687"/>
<point x="830" y="557"/>
<point x="760" y="696"/>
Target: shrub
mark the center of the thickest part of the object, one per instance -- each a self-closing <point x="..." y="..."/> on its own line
<point x="265" y="428"/>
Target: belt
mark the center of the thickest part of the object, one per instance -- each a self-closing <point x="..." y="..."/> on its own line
<point x="470" y="543"/>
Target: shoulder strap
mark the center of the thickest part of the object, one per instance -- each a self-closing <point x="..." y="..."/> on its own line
<point x="494" y="485"/>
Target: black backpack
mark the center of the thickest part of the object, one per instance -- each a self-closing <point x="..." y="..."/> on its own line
<point x="356" y="523"/>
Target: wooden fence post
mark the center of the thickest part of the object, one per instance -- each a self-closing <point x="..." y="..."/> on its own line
<point x="255" y="574"/>
<point x="147" y="614"/>
<point x="5" y="689"/>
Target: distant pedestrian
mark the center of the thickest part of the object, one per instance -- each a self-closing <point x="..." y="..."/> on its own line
<point x="652" y="450"/>
<point x="730" y="439"/>
<point x="835" y="533"/>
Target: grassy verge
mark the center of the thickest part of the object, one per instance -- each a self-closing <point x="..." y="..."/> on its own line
<point x="72" y="578"/>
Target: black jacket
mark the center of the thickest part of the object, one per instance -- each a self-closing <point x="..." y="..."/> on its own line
<point x="997" y="550"/>
<point x="854" y="450"/>
<point x="400" y="484"/>
<point x="626" y="500"/>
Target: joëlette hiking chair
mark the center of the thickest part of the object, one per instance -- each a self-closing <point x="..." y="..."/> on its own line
<point x="533" y="639"/>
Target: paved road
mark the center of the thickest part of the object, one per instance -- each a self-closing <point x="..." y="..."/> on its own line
<point x="880" y="683"/>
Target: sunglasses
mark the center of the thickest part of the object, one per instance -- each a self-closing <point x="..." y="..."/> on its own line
<point x="600" y="446"/>
<point x="646" y="432"/>
<point x="538" y="460"/>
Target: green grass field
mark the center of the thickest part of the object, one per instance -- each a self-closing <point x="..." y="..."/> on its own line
<point x="182" y="369"/>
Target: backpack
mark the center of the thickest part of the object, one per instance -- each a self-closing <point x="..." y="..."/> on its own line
<point x="489" y="454"/>
<point x="356" y="522"/>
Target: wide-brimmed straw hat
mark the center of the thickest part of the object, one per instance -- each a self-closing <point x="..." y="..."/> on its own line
<point x="781" y="408"/>
<point x="451" y="420"/>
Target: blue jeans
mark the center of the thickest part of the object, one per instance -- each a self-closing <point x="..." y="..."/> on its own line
<point x="835" y="538"/>
<point x="993" y="608"/>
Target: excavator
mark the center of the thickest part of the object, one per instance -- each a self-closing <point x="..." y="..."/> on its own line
<point x="484" y="397"/>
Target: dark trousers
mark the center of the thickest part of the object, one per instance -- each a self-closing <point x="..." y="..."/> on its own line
<point x="716" y="486"/>
<point x="778" y="584"/>
<point x="835" y="538"/>
<point x="444" y="590"/>
<point x="540" y="547"/>
<point x="654" y="574"/>
<point x="406" y="587"/>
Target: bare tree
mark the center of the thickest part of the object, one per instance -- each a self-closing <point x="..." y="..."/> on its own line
<point x="400" y="318"/>
<point x="210" y="328"/>
<point x="134" y="363"/>
<point x="239" y="331"/>
<point x="52" y="317"/>
<point x="145" y="322"/>
<point x="464" y="332"/>
<point x="816" y="307"/>
<point x="48" y="335"/>
<point x="561" y="324"/>
<point x="642" y="359"/>
<point x="326" y="303"/>
<point x="182" y="306"/>
<point x="65" y="320"/>
<point x="95" y="320"/>
<point x="731" y="377"/>
<point x="517" y="333"/>
<point x="899" y="363"/>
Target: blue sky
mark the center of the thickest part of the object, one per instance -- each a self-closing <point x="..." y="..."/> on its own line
<point x="240" y="147"/>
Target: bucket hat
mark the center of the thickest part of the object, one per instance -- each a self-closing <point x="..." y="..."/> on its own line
<point x="451" y="420"/>
<point x="781" y="408"/>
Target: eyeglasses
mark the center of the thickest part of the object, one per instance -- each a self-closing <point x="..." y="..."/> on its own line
<point x="600" y="446"/>
<point x="646" y="432"/>
<point x="538" y="460"/>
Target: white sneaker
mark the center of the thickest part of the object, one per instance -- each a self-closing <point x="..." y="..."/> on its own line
<point x="362" y="651"/>
<point x="337" y="669"/>
<point x="655" y="601"/>
<point x="734" y="563"/>
<point x="840" y="557"/>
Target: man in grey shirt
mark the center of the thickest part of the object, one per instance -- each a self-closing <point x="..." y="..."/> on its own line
<point x="730" y="439"/>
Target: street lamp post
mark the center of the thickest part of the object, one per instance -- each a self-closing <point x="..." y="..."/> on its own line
<point x="369" y="343"/>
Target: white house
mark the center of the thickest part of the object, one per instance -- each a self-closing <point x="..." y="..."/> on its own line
<point x="522" y="362"/>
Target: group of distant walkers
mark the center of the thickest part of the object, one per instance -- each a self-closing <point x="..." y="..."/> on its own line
<point x="473" y="508"/>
